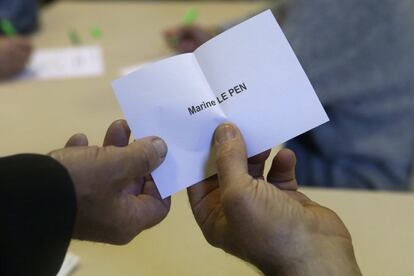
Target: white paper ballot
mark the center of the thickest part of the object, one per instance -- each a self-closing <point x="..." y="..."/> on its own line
<point x="247" y="75"/>
<point x="63" y="63"/>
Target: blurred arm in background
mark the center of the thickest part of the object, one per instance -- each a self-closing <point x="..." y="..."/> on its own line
<point x="15" y="50"/>
<point x="14" y="55"/>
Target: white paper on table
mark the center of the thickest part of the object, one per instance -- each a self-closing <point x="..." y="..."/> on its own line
<point x="275" y="103"/>
<point x="69" y="264"/>
<point x="63" y="63"/>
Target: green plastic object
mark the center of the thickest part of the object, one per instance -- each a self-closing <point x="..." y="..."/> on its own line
<point x="190" y="17"/>
<point x="7" y="28"/>
<point x="74" y="37"/>
<point x="96" y="32"/>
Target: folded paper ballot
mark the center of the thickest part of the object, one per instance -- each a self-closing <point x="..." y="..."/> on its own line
<point x="247" y="75"/>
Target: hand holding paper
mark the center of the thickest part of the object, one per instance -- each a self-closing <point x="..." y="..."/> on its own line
<point x="248" y="75"/>
<point x="264" y="222"/>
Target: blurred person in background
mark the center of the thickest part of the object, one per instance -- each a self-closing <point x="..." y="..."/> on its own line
<point x="359" y="56"/>
<point x="14" y="55"/>
<point x="15" y="50"/>
<point x="22" y="14"/>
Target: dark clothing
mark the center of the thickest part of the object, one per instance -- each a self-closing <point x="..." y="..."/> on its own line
<point x="37" y="213"/>
<point x="23" y="14"/>
<point x="359" y="56"/>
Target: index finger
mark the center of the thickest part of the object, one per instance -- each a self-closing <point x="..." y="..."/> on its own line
<point x="117" y="134"/>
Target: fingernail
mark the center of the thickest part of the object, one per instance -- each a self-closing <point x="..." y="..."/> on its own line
<point x="160" y="147"/>
<point x="224" y="133"/>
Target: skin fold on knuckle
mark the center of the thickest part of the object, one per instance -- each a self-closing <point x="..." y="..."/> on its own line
<point x="155" y="216"/>
<point x="122" y="235"/>
<point x="237" y="199"/>
<point x="124" y="228"/>
<point x="225" y="154"/>
<point x="214" y="231"/>
<point x="199" y="213"/>
<point x="212" y="238"/>
<point x="149" y="213"/>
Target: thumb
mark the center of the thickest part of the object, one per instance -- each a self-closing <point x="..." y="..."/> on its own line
<point x="231" y="157"/>
<point x="139" y="158"/>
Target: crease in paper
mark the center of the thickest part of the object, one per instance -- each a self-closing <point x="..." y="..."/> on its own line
<point x="278" y="104"/>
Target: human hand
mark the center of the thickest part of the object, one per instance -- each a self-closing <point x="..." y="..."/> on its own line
<point x="187" y="39"/>
<point x="14" y="55"/>
<point x="268" y="223"/>
<point x="116" y="196"/>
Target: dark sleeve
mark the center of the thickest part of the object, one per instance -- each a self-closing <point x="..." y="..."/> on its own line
<point x="22" y="14"/>
<point x="37" y="212"/>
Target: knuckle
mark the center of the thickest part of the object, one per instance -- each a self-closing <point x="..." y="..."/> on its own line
<point x="211" y="240"/>
<point x="123" y="235"/>
<point x="240" y="195"/>
<point x="121" y="229"/>
<point x="122" y="240"/>
<point x="210" y="234"/>
<point x="233" y="197"/>
<point x="225" y="153"/>
<point x="145" y="162"/>
<point x="127" y="237"/>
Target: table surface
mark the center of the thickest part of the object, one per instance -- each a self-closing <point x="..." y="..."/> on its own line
<point x="40" y="116"/>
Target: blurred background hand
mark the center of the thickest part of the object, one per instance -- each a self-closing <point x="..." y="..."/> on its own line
<point x="14" y="54"/>
<point x="185" y="39"/>
<point x="116" y="196"/>
<point x="268" y="223"/>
